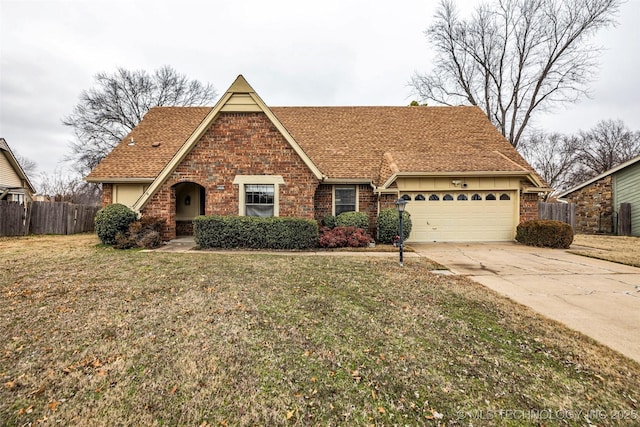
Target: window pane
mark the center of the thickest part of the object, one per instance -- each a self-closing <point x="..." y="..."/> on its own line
<point x="490" y="196"/>
<point x="505" y="196"/>
<point x="259" y="200"/>
<point x="476" y="197"/>
<point x="419" y="197"/>
<point x="434" y="197"/>
<point x="462" y="197"/>
<point x="447" y="197"/>
<point x="345" y="199"/>
<point x="262" y="211"/>
<point x="406" y="197"/>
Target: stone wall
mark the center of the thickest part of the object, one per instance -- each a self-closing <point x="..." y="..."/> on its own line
<point x="594" y="207"/>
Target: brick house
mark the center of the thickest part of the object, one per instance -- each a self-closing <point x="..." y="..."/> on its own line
<point x="462" y="178"/>
<point x="598" y="199"/>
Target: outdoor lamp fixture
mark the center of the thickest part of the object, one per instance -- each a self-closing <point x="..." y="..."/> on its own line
<point x="400" y="205"/>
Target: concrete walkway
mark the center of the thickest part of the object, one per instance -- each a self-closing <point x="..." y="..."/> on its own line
<point x="598" y="298"/>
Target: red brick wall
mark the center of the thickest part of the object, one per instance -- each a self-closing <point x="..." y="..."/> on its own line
<point x="107" y="194"/>
<point x="594" y="207"/>
<point x="323" y="201"/>
<point x="367" y="202"/>
<point x="238" y="144"/>
<point x="528" y="207"/>
<point x="388" y="201"/>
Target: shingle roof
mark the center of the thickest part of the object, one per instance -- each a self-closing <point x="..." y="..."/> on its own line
<point x="168" y="126"/>
<point x="343" y="142"/>
<point x="419" y="139"/>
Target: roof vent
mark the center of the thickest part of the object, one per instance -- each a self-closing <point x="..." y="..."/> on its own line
<point x="155" y="144"/>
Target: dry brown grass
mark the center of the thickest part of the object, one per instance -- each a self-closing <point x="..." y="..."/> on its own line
<point x="620" y="249"/>
<point x="95" y="336"/>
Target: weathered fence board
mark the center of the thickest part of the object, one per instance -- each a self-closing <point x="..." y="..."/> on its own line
<point x="12" y="219"/>
<point x="565" y="212"/>
<point x="624" y="219"/>
<point x="80" y="218"/>
<point x="46" y="218"/>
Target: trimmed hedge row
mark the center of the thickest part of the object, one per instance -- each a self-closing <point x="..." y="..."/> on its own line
<point x="347" y="219"/>
<point x="255" y="233"/>
<point x="545" y="233"/>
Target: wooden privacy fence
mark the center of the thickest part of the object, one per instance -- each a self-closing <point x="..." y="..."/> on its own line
<point x="624" y="219"/>
<point x="45" y="218"/>
<point x="565" y="212"/>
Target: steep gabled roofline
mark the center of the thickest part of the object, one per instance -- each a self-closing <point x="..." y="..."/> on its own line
<point x="599" y="177"/>
<point x="239" y="86"/>
<point x="4" y="146"/>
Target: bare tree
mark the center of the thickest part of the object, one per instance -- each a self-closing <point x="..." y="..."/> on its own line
<point x="565" y="161"/>
<point x="28" y="166"/>
<point x="514" y="57"/>
<point x="605" y="146"/>
<point x="553" y="156"/>
<point x="65" y="186"/>
<point x="109" y="111"/>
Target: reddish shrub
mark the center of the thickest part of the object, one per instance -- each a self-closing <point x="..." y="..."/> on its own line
<point x="340" y="237"/>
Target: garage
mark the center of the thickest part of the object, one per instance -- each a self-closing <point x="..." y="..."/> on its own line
<point x="463" y="216"/>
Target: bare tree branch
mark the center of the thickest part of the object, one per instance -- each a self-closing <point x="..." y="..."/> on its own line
<point x="107" y="112"/>
<point x="565" y="161"/>
<point x="514" y="57"/>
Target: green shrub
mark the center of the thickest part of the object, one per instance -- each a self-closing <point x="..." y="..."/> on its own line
<point x="388" y="222"/>
<point x="545" y="233"/>
<point x="329" y="221"/>
<point x="255" y="233"/>
<point x="111" y="220"/>
<point x="342" y="237"/>
<point x="353" y="219"/>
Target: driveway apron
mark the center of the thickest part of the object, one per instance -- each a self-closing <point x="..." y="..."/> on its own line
<point x="601" y="299"/>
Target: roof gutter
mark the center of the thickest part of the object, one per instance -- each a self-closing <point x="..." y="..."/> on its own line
<point x="120" y="180"/>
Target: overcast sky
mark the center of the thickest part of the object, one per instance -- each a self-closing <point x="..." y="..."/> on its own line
<point x="330" y="52"/>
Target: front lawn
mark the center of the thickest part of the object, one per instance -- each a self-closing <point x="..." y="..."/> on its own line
<point x="96" y="336"/>
<point x="620" y="249"/>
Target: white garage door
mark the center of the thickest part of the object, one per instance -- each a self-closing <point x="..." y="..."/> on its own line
<point x="462" y="216"/>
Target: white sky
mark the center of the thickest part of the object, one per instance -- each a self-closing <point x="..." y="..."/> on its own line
<point x="330" y="52"/>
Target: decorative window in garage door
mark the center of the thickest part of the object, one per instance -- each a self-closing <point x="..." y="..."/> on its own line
<point x="471" y="215"/>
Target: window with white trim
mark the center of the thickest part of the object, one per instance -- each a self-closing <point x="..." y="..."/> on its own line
<point x="259" y="194"/>
<point x="345" y="199"/>
<point x="259" y="199"/>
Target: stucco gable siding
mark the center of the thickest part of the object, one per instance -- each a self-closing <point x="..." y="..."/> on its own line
<point x="627" y="190"/>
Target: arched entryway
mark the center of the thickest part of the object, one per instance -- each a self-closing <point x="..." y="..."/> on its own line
<point x="190" y="202"/>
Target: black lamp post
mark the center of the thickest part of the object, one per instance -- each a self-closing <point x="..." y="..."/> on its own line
<point x="400" y="205"/>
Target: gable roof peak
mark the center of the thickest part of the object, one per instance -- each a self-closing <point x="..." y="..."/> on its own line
<point x="240" y="85"/>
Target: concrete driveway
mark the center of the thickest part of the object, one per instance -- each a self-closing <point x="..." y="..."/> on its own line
<point x="598" y="298"/>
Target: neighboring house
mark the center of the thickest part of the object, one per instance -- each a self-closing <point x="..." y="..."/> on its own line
<point x="14" y="183"/>
<point x="463" y="179"/>
<point x="598" y="199"/>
